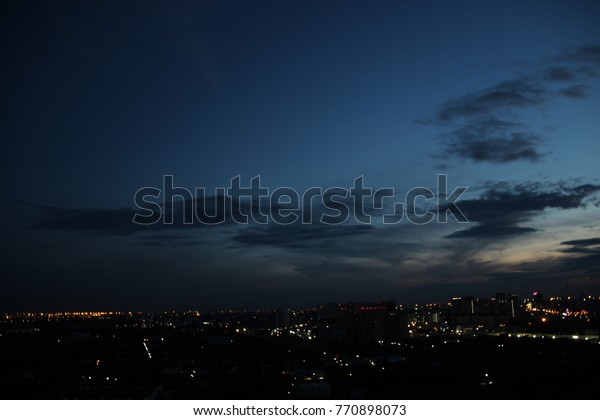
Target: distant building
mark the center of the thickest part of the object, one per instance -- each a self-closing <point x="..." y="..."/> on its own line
<point x="469" y="314"/>
<point x="371" y="322"/>
<point x="463" y="305"/>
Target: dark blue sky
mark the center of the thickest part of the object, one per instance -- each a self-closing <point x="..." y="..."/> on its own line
<point x="102" y="98"/>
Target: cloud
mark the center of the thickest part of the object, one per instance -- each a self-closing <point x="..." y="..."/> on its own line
<point x="119" y="221"/>
<point x="586" y="262"/>
<point x="464" y="272"/>
<point x="559" y="74"/>
<point x="502" y="97"/>
<point x="582" y="246"/>
<point x="487" y="231"/>
<point x="484" y="124"/>
<point x="499" y="211"/>
<point x="582" y="243"/>
<point x="493" y="140"/>
<point x="296" y="235"/>
<point x="503" y="206"/>
<point x="576" y="91"/>
<point x="588" y="55"/>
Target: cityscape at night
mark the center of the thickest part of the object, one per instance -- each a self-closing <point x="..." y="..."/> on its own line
<point x="496" y="347"/>
<point x="209" y="202"/>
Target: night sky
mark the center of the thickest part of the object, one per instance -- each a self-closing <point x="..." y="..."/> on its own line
<point x="101" y="98"/>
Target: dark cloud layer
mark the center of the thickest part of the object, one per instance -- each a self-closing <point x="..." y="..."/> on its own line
<point x="393" y="257"/>
<point x="296" y="235"/>
<point x="588" y="56"/>
<point x="502" y="207"/>
<point x="493" y="140"/>
<point x="500" y="98"/>
<point x="119" y="222"/>
<point x="576" y="91"/>
<point x="498" y="211"/>
<point x="487" y="231"/>
<point x="585" y="263"/>
<point x="583" y="246"/>
<point x="484" y="124"/>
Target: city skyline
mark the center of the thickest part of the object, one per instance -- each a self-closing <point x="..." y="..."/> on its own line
<point x="467" y="348"/>
<point x="103" y="99"/>
<point x="405" y="305"/>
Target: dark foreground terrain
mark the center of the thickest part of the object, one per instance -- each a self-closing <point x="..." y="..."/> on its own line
<point x="134" y="357"/>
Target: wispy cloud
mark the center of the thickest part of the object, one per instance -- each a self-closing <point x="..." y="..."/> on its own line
<point x="576" y="91"/>
<point x="485" y="125"/>
<point x="582" y="246"/>
<point x="314" y="235"/>
<point x="502" y="207"/>
<point x="503" y="97"/>
<point x="493" y="140"/>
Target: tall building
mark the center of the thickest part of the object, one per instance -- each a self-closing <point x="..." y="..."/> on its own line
<point x="470" y="314"/>
<point x="371" y="322"/>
